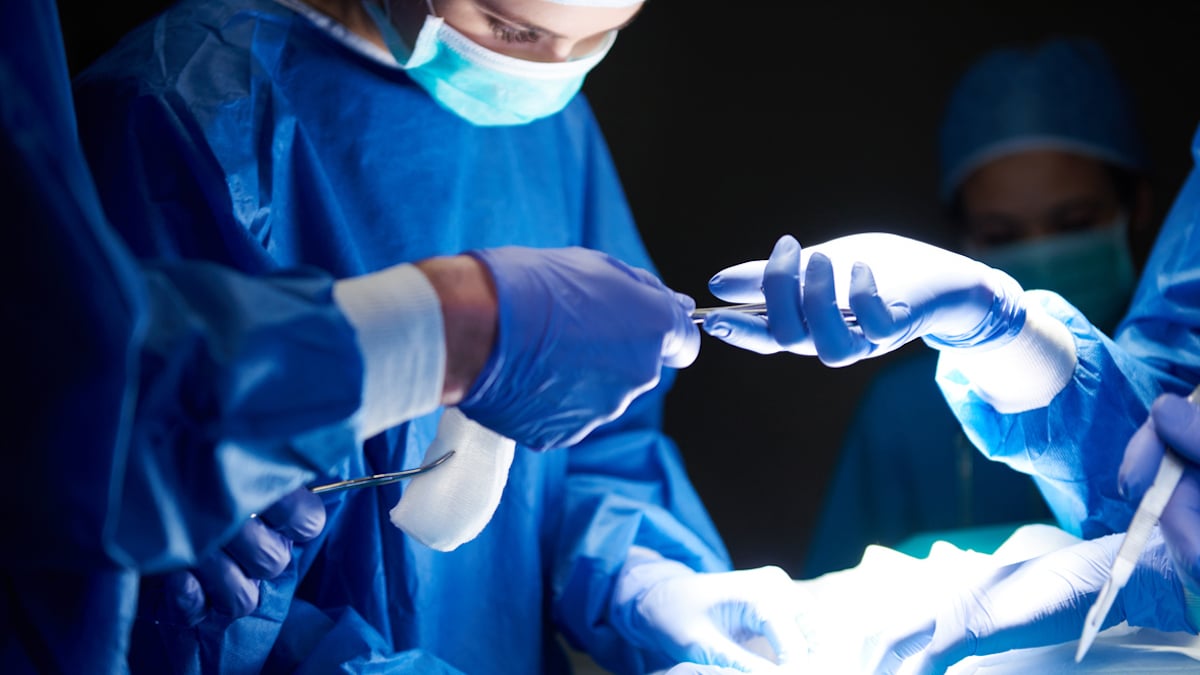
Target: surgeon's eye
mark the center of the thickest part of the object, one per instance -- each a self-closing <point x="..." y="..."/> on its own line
<point x="509" y="33"/>
<point x="1078" y="222"/>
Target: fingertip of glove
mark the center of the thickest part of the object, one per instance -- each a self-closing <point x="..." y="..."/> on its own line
<point x="717" y="328"/>
<point x="821" y="259"/>
<point x="184" y="603"/>
<point x="1169" y="408"/>
<point x="1143" y="453"/>
<point x="716" y="280"/>
<point x="244" y="600"/>
<point x="299" y="515"/>
<point x="685" y="350"/>
<point x="686" y="301"/>
<point x="309" y="525"/>
<point x="785" y="245"/>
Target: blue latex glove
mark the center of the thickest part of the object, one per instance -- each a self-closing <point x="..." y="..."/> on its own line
<point x="1175" y="422"/>
<point x="226" y="581"/>
<point x="899" y="289"/>
<point x="1033" y="603"/>
<point x="581" y="335"/>
<point x="669" y="609"/>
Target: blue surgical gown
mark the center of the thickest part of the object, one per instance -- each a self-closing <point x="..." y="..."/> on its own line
<point x="150" y="408"/>
<point x="240" y="132"/>
<point x="1073" y="447"/>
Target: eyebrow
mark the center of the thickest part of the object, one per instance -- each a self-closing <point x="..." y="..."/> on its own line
<point x="488" y="7"/>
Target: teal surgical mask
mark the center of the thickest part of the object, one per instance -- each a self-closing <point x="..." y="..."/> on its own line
<point x="1092" y="269"/>
<point x="482" y="86"/>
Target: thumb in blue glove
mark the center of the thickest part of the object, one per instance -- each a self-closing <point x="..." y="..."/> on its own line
<point x="864" y="295"/>
<point x="667" y="608"/>
<point x="1034" y="603"/>
<point x="580" y="336"/>
<point x="226" y="581"/>
<point x="1173" y="422"/>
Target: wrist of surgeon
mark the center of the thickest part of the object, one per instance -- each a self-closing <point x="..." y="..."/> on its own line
<point x="469" y="312"/>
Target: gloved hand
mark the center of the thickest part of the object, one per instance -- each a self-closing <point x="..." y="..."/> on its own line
<point x="580" y="335"/>
<point x="665" y="607"/>
<point x="1033" y="603"/>
<point x="899" y="289"/>
<point x="226" y="581"/>
<point x="1175" y="422"/>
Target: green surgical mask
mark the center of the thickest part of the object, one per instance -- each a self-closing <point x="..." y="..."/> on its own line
<point x="1093" y="269"/>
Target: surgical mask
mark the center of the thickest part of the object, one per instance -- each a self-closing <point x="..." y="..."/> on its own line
<point x="1092" y="269"/>
<point x="481" y="86"/>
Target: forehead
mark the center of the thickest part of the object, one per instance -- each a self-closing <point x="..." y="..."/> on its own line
<point x="1036" y="178"/>
<point x="567" y="20"/>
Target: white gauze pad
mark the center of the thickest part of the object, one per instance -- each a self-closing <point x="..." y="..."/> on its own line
<point x="450" y="505"/>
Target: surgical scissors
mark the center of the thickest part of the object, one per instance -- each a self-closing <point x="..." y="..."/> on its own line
<point x="379" y="478"/>
<point x="756" y="309"/>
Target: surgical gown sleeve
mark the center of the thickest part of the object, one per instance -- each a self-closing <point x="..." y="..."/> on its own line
<point x="153" y="403"/>
<point x="114" y="368"/>
<point x="1073" y="441"/>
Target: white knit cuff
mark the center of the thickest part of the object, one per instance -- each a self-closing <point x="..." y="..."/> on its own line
<point x="1023" y="374"/>
<point x="398" y="319"/>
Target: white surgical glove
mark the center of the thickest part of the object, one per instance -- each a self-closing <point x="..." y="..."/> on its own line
<point x="899" y="289"/>
<point x="706" y="618"/>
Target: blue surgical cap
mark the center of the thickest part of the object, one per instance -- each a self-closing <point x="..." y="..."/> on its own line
<point x="1063" y="94"/>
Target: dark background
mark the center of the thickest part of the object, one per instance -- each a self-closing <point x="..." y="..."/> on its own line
<point x="734" y="123"/>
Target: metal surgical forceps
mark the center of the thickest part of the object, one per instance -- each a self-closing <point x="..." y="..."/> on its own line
<point x="379" y="478"/>
<point x="757" y="309"/>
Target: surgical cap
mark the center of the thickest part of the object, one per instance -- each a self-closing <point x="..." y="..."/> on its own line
<point x="1063" y="94"/>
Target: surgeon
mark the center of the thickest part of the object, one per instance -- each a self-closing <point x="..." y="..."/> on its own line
<point x="156" y="404"/>
<point x="1047" y="187"/>
<point x="111" y="365"/>
<point x="353" y="136"/>
<point x="1035" y="385"/>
